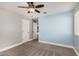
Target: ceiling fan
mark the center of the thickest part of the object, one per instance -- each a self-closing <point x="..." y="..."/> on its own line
<point x="32" y="8"/>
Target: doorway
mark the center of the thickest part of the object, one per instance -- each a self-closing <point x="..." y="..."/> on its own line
<point x="25" y="30"/>
<point x="35" y="29"/>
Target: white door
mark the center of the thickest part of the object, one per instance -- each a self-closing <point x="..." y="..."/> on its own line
<point x="25" y="29"/>
<point x="34" y="30"/>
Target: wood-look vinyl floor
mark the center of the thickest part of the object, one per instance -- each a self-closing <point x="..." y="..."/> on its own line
<point x="34" y="48"/>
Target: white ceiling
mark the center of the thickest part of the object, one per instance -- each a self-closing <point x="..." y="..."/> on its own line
<point x="50" y="8"/>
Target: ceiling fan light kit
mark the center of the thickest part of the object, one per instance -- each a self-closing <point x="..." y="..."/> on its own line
<point x="31" y="10"/>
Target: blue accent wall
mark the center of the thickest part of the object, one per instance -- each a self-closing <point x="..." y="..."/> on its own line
<point x="57" y="28"/>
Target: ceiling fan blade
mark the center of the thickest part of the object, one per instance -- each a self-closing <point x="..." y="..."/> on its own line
<point x="30" y="4"/>
<point x="22" y="7"/>
<point x="39" y="6"/>
<point x="37" y="11"/>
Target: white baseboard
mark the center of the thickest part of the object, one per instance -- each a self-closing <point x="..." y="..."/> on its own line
<point x="6" y="48"/>
<point x="67" y="46"/>
<point x="27" y="40"/>
<point x="75" y="51"/>
<point x="57" y="44"/>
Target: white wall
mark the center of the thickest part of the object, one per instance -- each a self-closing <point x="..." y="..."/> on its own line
<point x="76" y="23"/>
<point x="10" y="29"/>
<point x="76" y="30"/>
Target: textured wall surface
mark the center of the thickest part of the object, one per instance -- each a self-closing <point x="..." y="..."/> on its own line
<point x="10" y="29"/>
<point x="76" y="30"/>
<point x="57" y="28"/>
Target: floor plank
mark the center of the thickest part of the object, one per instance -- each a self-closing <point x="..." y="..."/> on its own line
<point x="34" y="48"/>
